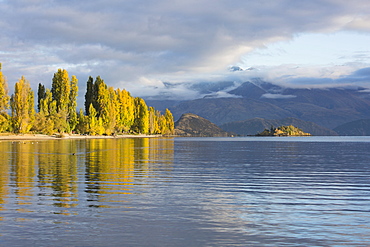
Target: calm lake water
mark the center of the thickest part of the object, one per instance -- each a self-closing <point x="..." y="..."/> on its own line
<point x="295" y="191"/>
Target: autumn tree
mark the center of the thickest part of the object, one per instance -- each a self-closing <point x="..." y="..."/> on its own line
<point x="94" y="123"/>
<point x="72" y="104"/>
<point x="47" y="115"/>
<point x="83" y="123"/>
<point x="22" y="105"/>
<point x="60" y="89"/>
<point x="126" y="110"/>
<point x="110" y="112"/>
<point x="154" y="121"/>
<point x="141" y="116"/>
<point x="64" y="92"/>
<point x="4" y="103"/>
<point x="170" y="125"/>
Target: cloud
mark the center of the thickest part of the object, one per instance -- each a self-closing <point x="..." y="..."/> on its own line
<point x="126" y="41"/>
<point x="277" y="96"/>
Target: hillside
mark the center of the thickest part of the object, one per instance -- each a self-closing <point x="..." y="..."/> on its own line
<point x="329" y="107"/>
<point x="355" y="128"/>
<point x="192" y="125"/>
<point x="256" y="125"/>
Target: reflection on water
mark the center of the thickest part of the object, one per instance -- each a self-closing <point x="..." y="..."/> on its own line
<point x="185" y="192"/>
<point x="55" y="173"/>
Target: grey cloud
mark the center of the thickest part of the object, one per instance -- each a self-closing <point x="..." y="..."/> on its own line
<point x="124" y="41"/>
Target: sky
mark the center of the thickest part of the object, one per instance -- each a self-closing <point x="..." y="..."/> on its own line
<point x="139" y="45"/>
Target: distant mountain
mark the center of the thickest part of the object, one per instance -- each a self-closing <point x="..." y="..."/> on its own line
<point x="326" y="107"/>
<point x="224" y="110"/>
<point x="355" y="128"/>
<point x="192" y="125"/>
<point x="257" y="125"/>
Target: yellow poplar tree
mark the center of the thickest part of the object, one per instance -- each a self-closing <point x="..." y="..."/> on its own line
<point x="22" y="104"/>
<point x="61" y="89"/>
<point x="4" y="103"/>
<point x="126" y="110"/>
<point x="141" y="116"/>
<point x="153" y="121"/>
<point x="170" y="125"/>
<point x="72" y="104"/>
<point x="47" y="115"/>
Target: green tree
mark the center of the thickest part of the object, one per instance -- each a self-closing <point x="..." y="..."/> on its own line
<point x="41" y="93"/>
<point x="22" y="105"/>
<point x="89" y="94"/>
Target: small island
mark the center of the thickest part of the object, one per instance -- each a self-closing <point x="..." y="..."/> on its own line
<point x="283" y="131"/>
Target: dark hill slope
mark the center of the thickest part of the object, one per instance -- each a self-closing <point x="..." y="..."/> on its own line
<point x="223" y="110"/>
<point x="325" y="107"/>
<point x="355" y="128"/>
<point x="256" y="125"/>
<point x="192" y="125"/>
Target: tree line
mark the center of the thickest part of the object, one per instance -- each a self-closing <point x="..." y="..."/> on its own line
<point x="107" y="111"/>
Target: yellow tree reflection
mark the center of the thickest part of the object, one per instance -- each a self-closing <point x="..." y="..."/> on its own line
<point x="4" y="173"/>
<point x="57" y="174"/>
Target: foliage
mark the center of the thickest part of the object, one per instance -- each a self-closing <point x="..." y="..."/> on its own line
<point x="60" y="89"/>
<point x="41" y="94"/>
<point x="89" y="94"/>
<point x="4" y="98"/>
<point x="72" y="104"/>
<point x="22" y="104"/>
<point x="283" y="131"/>
<point x="5" y="123"/>
<point x="107" y="110"/>
<point x="141" y="117"/>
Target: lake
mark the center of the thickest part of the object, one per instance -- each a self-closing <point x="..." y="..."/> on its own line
<point x="244" y="191"/>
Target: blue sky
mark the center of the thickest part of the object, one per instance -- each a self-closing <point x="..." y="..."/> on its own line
<point x="140" y="44"/>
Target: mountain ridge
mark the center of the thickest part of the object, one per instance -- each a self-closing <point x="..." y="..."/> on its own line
<point x="256" y="98"/>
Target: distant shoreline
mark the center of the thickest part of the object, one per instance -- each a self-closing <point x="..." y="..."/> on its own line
<point x="67" y="136"/>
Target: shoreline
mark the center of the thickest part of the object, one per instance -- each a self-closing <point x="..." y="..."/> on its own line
<point x="67" y="136"/>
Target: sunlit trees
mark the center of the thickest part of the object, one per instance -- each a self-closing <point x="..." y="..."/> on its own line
<point x="94" y="123"/>
<point x="64" y="92"/>
<point x="82" y="123"/>
<point x="126" y="110"/>
<point x="170" y="125"/>
<point x="107" y="110"/>
<point x="22" y="105"/>
<point x="141" y="116"/>
<point x="4" y="103"/>
<point x="60" y="89"/>
<point x="72" y="104"/>
<point x="153" y="121"/>
<point x="283" y="131"/>
<point x="47" y="115"/>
